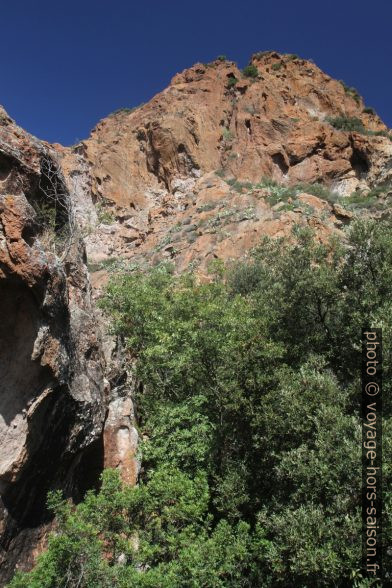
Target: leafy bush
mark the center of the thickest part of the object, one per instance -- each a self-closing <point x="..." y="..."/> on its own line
<point x="239" y="186"/>
<point x="250" y="71"/>
<point x="276" y="66"/>
<point x="366" y="199"/>
<point x="221" y="58"/>
<point x="346" y="123"/>
<point x="250" y="418"/>
<point x="350" y="124"/>
<point x="104" y="215"/>
<point x="358" y="199"/>
<point x="276" y="192"/>
<point x="292" y="57"/>
<point x="232" y="81"/>
<point x="318" y="190"/>
<point x="369" y="110"/>
<point x="280" y="193"/>
<point x="227" y="134"/>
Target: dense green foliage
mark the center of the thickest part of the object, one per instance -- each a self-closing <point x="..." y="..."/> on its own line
<point x="292" y="57"/>
<point x="250" y="71"/>
<point x="347" y="123"/>
<point x="350" y="124"/>
<point x="232" y="81"/>
<point x="248" y="405"/>
<point x="369" y="110"/>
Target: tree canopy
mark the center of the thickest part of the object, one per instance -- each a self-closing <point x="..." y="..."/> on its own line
<point x="248" y="402"/>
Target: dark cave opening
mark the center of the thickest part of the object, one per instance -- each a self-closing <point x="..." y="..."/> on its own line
<point x="52" y="466"/>
<point x="43" y="432"/>
<point x="86" y="473"/>
<point x="5" y="167"/>
<point x="21" y="378"/>
<point x="279" y="160"/>
<point x="360" y="163"/>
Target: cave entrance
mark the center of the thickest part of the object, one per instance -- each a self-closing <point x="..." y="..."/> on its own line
<point x="20" y="376"/>
<point x="359" y="163"/>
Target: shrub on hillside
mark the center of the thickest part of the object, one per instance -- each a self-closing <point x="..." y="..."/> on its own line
<point x="350" y="124"/>
<point x="346" y="123"/>
<point x="292" y="57"/>
<point x="369" y="110"/>
<point x="232" y="81"/>
<point x="250" y="71"/>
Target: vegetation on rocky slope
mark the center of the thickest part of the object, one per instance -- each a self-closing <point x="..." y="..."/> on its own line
<point x="248" y="408"/>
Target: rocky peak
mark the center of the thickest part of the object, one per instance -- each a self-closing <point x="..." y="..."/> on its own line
<point x="165" y="177"/>
<point x="273" y="122"/>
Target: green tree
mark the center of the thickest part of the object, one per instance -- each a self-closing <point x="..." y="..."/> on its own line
<point x="248" y="402"/>
<point x="250" y="71"/>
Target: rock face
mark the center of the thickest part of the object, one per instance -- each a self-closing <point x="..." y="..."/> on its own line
<point x="51" y="369"/>
<point x="121" y="439"/>
<point x="177" y="178"/>
<point x="273" y="125"/>
<point x="181" y="178"/>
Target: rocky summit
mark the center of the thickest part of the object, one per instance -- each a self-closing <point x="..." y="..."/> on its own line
<point x="188" y="176"/>
<point x="203" y="171"/>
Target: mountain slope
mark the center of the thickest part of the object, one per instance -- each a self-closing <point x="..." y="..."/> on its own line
<point x="183" y="177"/>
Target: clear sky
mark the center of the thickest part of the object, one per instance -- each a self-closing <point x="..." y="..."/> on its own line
<point x="65" y="65"/>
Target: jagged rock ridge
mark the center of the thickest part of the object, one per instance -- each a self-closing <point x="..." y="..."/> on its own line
<point x="179" y="177"/>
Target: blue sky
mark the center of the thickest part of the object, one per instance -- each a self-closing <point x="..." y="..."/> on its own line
<point x="65" y="65"/>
